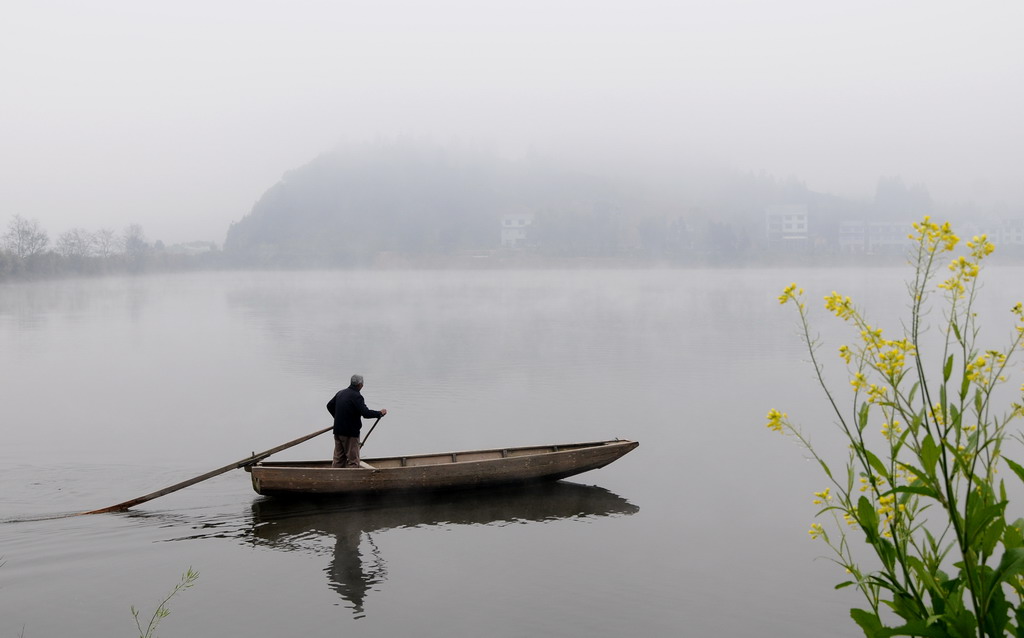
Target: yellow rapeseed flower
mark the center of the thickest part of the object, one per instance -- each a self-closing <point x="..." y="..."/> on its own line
<point x="933" y="237"/>
<point x="889" y="431"/>
<point x="983" y="369"/>
<point x="845" y="354"/>
<point x="866" y="485"/>
<point x="775" y="420"/>
<point x="885" y="508"/>
<point x="937" y="415"/>
<point x="841" y="306"/>
<point x="787" y="293"/>
<point x="877" y="393"/>
<point x="872" y="337"/>
<point x="981" y="247"/>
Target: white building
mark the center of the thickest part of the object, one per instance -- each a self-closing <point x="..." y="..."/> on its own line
<point x="853" y="236"/>
<point x="889" y="237"/>
<point x="1009" y="232"/>
<point x="515" y="229"/>
<point x="786" y="225"/>
<point x="857" y="236"/>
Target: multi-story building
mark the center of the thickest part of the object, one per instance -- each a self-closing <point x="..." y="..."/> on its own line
<point x="1009" y="232"/>
<point x="515" y="229"/>
<point x="787" y="225"/>
<point x="889" y="237"/>
<point x="853" y="236"/>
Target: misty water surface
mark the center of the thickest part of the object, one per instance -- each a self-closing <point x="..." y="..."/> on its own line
<point x="115" y="387"/>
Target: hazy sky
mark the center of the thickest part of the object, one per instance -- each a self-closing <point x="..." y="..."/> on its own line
<point x="179" y="115"/>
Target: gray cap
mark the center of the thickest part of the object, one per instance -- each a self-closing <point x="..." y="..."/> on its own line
<point x="357" y="379"/>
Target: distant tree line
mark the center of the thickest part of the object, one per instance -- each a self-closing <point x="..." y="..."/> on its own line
<point x="410" y="203"/>
<point x="27" y="252"/>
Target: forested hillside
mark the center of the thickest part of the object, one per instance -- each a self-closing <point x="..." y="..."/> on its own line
<point x="347" y="206"/>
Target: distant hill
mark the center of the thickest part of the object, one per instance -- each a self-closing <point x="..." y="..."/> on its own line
<point x="346" y="206"/>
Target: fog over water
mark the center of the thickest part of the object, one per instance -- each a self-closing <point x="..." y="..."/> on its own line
<point x="399" y="142"/>
<point x="116" y="387"/>
<point x="178" y="117"/>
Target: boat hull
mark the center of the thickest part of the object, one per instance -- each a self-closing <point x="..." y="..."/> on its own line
<point x="453" y="470"/>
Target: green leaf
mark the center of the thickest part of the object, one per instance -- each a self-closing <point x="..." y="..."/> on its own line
<point x="947" y="370"/>
<point x="876" y="463"/>
<point x="997" y="613"/>
<point x="954" y="416"/>
<point x="873" y="628"/>
<point x="862" y="417"/>
<point x="979" y="520"/>
<point x="828" y="472"/>
<point x="868" y="518"/>
<point x="919" y="473"/>
<point x="1016" y="467"/>
<point x="992" y="535"/>
<point x="887" y="553"/>
<point x="929" y="454"/>
<point x="905" y="607"/>
<point x="1013" y="535"/>
<point x="917" y="489"/>
<point x="869" y="622"/>
<point x="1011" y="564"/>
<point x="963" y="622"/>
<point x="845" y="584"/>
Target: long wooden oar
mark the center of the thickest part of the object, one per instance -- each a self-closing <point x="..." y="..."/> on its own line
<point x="120" y="507"/>
<point x="363" y="442"/>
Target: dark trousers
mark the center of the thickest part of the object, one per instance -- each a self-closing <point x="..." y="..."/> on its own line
<point x="346" y="451"/>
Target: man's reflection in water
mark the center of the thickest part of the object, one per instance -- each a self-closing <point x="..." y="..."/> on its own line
<point x="357" y="567"/>
<point x="351" y="572"/>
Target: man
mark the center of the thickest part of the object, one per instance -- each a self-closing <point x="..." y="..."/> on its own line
<point x="348" y="409"/>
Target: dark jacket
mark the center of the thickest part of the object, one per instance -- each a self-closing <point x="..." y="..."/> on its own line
<point x="347" y="407"/>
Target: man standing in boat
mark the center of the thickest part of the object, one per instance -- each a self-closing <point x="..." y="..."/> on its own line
<point x="348" y="409"/>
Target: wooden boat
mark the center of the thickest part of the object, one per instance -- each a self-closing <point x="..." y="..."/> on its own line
<point x="451" y="470"/>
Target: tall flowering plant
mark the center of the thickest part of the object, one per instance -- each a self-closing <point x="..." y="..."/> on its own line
<point x="921" y="484"/>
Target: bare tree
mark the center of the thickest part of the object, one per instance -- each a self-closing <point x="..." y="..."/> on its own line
<point x="104" y="242"/>
<point x="133" y="240"/>
<point x="75" y="243"/>
<point x="25" y="238"/>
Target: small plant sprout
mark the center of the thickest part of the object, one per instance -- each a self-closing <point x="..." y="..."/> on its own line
<point x="188" y="579"/>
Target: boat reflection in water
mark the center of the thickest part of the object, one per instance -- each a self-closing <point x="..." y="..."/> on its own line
<point x="357" y="566"/>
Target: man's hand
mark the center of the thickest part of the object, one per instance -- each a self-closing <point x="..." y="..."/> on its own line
<point x="383" y="412"/>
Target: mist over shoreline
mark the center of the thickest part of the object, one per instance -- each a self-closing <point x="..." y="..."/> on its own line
<point x="178" y="118"/>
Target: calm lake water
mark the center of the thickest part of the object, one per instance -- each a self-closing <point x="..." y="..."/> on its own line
<point x="112" y="388"/>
